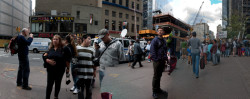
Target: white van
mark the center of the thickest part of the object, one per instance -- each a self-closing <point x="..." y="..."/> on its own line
<point x="39" y="44"/>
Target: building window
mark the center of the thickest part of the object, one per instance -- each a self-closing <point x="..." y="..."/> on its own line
<point x="120" y="15"/>
<point x="133" y="28"/>
<point x="78" y="14"/>
<point x="137" y="19"/>
<point x="133" y="5"/>
<point x="37" y="27"/>
<point x="81" y="28"/>
<point x="113" y="13"/>
<point x="66" y="27"/>
<point x="107" y="24"/>
<point x="127" y="16"/>
<point x="133" y="18"/>
<point x="113" y="1"/>
<point x="120" y="2"/>
<point x="127" y="26"/>
<point x="138" y="7"/>
<point x="51" y="27"/>
<point x="120" y="26"/>
<point x="113" y="25"/>
<point x="137" y="28"/>
<point x="107" y="12"/>
<point x="96" y="22"/>
<point x="127" y="3"/>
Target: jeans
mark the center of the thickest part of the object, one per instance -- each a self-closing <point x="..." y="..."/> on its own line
<point x="247" y="52"/>
<point x="215" y="60"/>
<point x="158" y="69"/>
<point x="209" y="56"/>
<point x="101" y="75"/>
<point x="137" y="59"/>
<point x="196" y="61"/>
<point x="130" y="58"/>
<point x="147" y="54"/>
<point x="23" y="70"/>
<point x="74" y="77"/>
<point x="227" y="52"/>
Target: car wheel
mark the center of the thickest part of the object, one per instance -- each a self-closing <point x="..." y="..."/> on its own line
<point x="35" y="51"/>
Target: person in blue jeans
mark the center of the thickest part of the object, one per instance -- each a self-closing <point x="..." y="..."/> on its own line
<point x="24" y="40"/>
<point x="196" y="51"/>
<point x="209" y="55"/>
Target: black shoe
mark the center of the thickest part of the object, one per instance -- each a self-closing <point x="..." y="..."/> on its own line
<point x="197" y="77"/>
<point x="19" y="85"/>
<point x="27" y="88"/>
<point x="132" y="67"/>
<point x="155" y="96"/>
<point x="162" y="92"/>
<point x="141" y="66"/>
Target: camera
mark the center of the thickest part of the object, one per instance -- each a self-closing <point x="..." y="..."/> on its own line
<point x="68" y="82"/>
<point x="67" y="79"/>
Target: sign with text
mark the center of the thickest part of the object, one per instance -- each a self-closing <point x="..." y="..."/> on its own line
<point x="52" y="19"/>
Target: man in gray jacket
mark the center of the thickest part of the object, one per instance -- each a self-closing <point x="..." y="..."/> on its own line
<point x="137" y="54"/>
<point x="112" y="55"/>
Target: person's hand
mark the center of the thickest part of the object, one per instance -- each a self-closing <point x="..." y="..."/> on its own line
<point x="45" y="54"/>
<point x="31" y="35"/>
<point x="94" y="74"/>
<point x="51" y="62"/>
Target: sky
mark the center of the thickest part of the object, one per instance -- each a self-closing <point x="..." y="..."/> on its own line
<point x="186" y="11"/>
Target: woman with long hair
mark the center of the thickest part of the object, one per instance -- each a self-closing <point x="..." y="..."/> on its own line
<point x="56" y="61"/>
<point x="70" y="45"/>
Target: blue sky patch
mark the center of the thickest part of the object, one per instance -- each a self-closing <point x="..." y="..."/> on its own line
<point x="216" y="1"/>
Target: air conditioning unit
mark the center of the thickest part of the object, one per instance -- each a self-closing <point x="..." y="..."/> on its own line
<point x="53" y="12"/>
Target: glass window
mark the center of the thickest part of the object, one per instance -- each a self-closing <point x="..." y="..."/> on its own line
<point x="133" y="5"/>
<point x="96" y="22"/>
<point x="113" y="25"/>
<point x="137" y="28"/>
<point x="113" y="1"/>
<point x="106" y="12"/>
<point x="133" y="17"/>
<point x="120" y="2"/>
<point x="113" y="13"/>
<point x="37" y="27"/>
<point x="107" y="24"/>
<point x="138" y="7"/>
<point x="120" y="26"/>
<point x="77" y="14"/>
<point x="127" y="16"/>
<point x="133" y="28"/>
<point x="120" y="15"/>
<point x="127" y="2"/>
<point x="51" y="27"/>
<point x="126" y="43"/>
<point x="66" y="27"/>
<point x="137" y="19"/>
<point x="127" y="26"/>
<point x="80" y="27"/>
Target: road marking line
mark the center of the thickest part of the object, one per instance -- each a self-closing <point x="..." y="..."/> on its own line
<point x="36" y="58"/>
<point x="114" y="75"/>
<point x="9" y="69"/>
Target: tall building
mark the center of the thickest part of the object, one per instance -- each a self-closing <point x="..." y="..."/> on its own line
<point x="65" y="16"/>
<point x="201" y="30"/>
<point x="116" y="12"/>
<point x="86" y="17"/>
<point x="225" y="13"/>
<point x="147" y="14"/>
<point x="13" y="14"/>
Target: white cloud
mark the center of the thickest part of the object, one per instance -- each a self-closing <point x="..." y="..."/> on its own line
<point x="186" y="10"/>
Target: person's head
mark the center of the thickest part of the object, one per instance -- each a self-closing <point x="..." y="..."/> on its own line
<point x="56" y="42"/>
<point x="131" y="43"/>
<point x="104" y="35"/>
<point x="149" y="42"/>
<point x="214" y="41"/>
<point x="86" y="40"/>
<point x="25" y="32"/>
<point x="160" y="31"/>
<point x="194" y="34"/>
<point x="137" y="40"/>
<point x="79" y="40"/>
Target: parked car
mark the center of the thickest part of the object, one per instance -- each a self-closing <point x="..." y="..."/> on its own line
<point x="39" y="44"/>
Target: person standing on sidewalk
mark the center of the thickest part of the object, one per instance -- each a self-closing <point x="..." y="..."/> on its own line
<point x="70" y="44"/>
<point x="223" y="49"/>
<point x="56" y="60"/>
<point x="196" y="51"/>
<point x="158" y="52"/>
<point x="204" y="51"/>
<point x="137" y="54"/>
<point x="234" y="47"/>
<point x="213" y="51"/>
<point x="227" y="49"/>
<point x="24" y="40"/>
<point x="112" y="55"/>
<point x="86" y="69"/>
<point x="148" y="51"/>
<point x="130" y="53"/>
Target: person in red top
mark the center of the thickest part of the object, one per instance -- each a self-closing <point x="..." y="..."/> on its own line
<point x="213" y="51"/>
<point x="223" y="48"/>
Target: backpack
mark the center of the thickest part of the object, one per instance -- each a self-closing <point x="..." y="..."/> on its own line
<point x="13" y="45"/>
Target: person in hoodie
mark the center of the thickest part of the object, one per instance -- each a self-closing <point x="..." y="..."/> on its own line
<point x="112" y="55"/>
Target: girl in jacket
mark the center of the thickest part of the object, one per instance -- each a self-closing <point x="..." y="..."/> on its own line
<point x="56" y="61"/>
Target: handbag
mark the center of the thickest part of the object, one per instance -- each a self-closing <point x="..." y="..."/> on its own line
<point x="45" y="64"/>
<point x="74" y="60"/>
<point x="96" y="61"/>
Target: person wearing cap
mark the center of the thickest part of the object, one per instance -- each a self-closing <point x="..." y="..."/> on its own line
<point x="196" y="51"/>
<point x="112" y="55"/>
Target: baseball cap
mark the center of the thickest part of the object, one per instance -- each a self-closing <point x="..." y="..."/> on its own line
<point x="102" y="33"/>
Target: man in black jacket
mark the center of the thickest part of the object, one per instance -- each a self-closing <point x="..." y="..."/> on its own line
<point x="24" y="40"/>
<point x="137" y="54"/>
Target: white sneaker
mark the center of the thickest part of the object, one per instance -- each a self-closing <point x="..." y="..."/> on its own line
<point x="73" y="88"/>
<point x="75" y="91"/>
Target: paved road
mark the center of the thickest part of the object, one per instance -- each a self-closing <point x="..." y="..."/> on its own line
<point x="228" y="80"/>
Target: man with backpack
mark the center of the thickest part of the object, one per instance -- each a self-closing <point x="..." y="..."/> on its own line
<point x="24" y="40"/>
